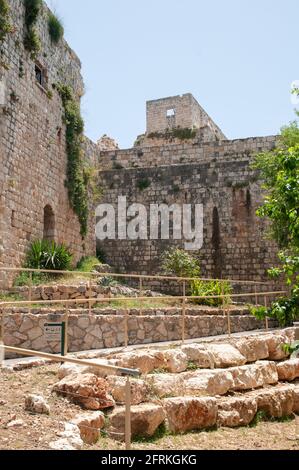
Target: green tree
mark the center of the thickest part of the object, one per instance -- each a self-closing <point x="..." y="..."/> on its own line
<point x="279" y="170"/>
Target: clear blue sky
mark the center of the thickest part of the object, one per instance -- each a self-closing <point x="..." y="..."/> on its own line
<point x="237" y="57"/>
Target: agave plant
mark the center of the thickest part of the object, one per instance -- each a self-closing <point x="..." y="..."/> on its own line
<point x="48" y="255"/>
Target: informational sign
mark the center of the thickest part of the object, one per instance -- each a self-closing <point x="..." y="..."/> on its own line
<point x="53" y="331"/>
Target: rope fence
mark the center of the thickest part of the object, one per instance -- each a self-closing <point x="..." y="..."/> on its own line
<point x="183" y="300"/>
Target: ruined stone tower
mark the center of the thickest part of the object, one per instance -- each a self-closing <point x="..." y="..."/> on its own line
<point x="179" y="112"/>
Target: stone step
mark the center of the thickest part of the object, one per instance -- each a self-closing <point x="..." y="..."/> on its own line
<point x="214" y="382"/>
<point x="237" y="352"/>
<point x="185" y="414"/>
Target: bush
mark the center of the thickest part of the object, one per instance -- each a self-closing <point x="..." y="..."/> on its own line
<point x="87" y="264"/>
<point x="55" y="27"/>
<point x="49" y="256"/>
<point x="284" y="310"/>
<point x="180" y="264"/>
<point x="210" y="288"/>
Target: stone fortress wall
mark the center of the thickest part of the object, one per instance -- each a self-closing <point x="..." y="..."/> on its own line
<point x="33" y="158"/>
<point x="217" y="175"/>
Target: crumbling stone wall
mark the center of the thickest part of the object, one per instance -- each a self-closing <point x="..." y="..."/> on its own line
<point x="32" y="143"/>
<point x="217" y="175"/>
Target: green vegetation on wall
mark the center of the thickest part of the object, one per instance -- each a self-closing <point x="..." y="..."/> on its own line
<point x="143" y="184"/>
<point x="56" y="30"/>
<point x="77" y="178"/>
<point x="176" y="133"/>
<point x="5" y="24"/>
<point x="31" y="40"/>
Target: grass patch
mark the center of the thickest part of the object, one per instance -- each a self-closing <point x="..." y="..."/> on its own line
<point x="136" y="304"/>
<point x="192" y="366"/>
<point x="10" y="297"/>
<point x="161" y="370"/>
<point x="56" y="30"/>
<point x="23" y="279"/>
<point x="87" y="264"/>
<point x="160" y="433"/>
<point x="263" y="417"/>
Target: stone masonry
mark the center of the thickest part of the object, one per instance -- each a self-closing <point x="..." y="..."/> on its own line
<point x="216" y="174"/>
<point x="204" y="168"/>
<point x="106" y="328"/>
<point x="32" y="144"/>
<point x="178" y="112"/>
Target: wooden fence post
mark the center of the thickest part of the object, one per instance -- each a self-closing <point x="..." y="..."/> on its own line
<point x="89" y="295"/>
<point x="66" y="327"/>
<point x="140" y="293"/>
<point x="128" y="430"/>
<point x="126" y="328"/>
<point x="184" y="314"/>
<point x="267" y="320"/>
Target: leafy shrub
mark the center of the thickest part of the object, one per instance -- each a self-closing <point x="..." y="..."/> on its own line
<point x="55" y="27"/>
<point x="284" y="310"/>
<point x="210" y="288"/>
<point x="179" y="263"/>
<point x="87" y="264"/>
<point x="49" y="256"/>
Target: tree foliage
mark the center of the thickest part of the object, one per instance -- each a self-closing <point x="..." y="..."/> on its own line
<point x="279" y="170"/>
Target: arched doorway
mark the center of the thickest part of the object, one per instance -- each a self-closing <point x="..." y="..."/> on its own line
<point x="49" y="223"/>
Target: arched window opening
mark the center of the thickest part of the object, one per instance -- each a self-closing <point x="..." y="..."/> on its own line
<point x="49" y="224"/>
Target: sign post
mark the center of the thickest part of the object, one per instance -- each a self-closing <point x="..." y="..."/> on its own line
<point x="55" y="332"/>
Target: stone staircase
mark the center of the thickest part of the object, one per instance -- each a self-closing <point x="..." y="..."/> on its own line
<point x="193" y="387"/>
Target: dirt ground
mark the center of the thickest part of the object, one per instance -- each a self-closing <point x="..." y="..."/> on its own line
<point x="37" y="431"/>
